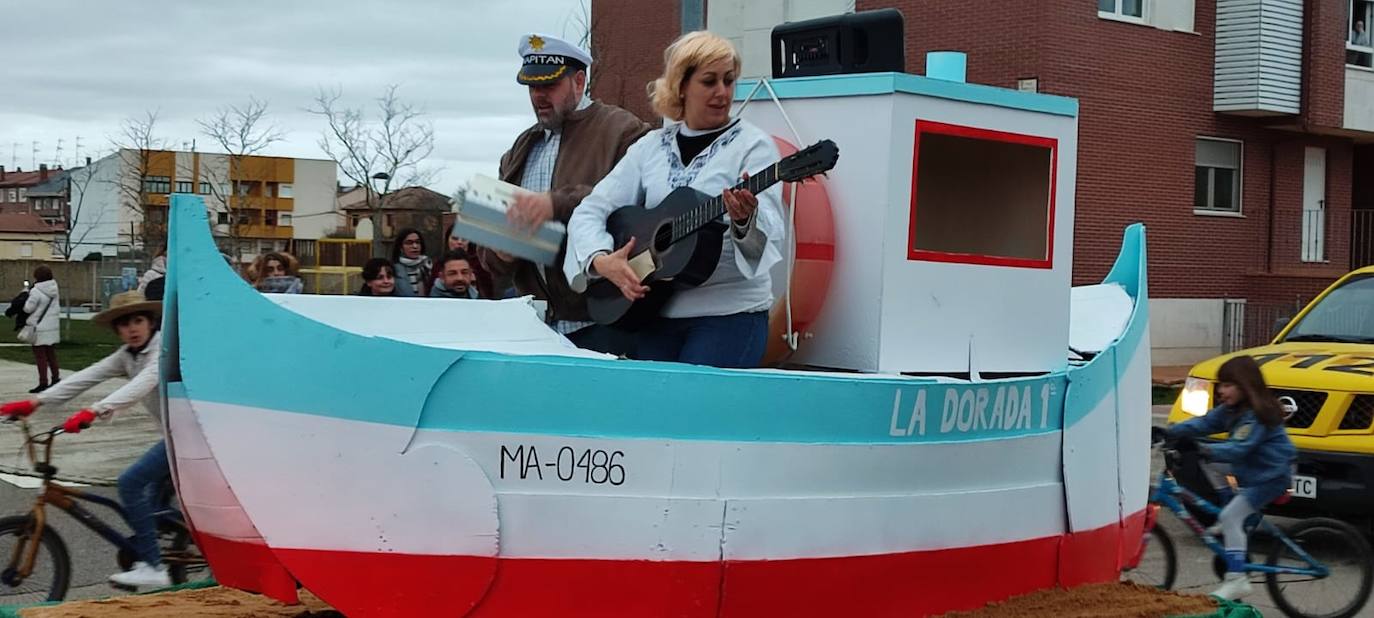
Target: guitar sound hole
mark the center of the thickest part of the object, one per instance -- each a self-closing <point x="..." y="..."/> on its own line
<point x="663" y="238"/>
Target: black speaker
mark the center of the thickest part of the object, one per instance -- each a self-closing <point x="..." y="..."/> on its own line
<point x="864" y="42"/>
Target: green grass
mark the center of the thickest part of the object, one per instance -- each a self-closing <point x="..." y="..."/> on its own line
<point x="83" y="343"/>
<point x="1163" y="395"/>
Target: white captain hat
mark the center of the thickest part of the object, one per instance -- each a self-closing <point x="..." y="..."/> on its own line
<point x="547" y="59"/>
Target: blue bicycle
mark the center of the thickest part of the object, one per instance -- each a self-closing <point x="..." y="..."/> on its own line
<point x="1318" y="567"/>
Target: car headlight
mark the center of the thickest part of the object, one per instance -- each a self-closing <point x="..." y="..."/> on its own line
<point x="1196" y="396"/>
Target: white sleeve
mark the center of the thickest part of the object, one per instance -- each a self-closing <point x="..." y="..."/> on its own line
<point x="133" y="391"/>
<point x="761" y="246"/>
<point x="77" y="383"/>
<point x="587" y="235"/>
<point x="31" y="304"/>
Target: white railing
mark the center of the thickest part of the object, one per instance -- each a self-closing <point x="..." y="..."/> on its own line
<point x="1314" y="235"/>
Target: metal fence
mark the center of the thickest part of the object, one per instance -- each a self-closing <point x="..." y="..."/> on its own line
<point x="1247" y="324"/>
<point x="1361" y="238"/>
<point x="89" y="284"/>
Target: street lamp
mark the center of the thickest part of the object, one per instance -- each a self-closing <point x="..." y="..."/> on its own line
<point x="378" y="217"/>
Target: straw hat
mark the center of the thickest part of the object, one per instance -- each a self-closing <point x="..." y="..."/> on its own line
<point x="125" y="303"/>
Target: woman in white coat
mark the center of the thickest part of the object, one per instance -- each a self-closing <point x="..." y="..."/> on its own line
<point x="724" y="321"/>
<point x="45" y="310"/>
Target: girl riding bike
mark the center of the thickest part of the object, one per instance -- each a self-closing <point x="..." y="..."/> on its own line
<point x="1258" y="451"/>
<point x="136" y="321"/>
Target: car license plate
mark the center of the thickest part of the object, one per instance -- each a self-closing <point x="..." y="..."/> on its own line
<point x="1304" y="486"/>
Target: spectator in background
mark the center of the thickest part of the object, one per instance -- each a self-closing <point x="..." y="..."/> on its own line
<point x="156" y="271"/>
<point x="456" y="277"/>
<point x="411" y="266"/>
<point x="276" y="273"/>
<point x="486" y="287"/>
<point x="44" y="309"/>
<point x="379" y="278"/>
<point x="1359" y="36"/>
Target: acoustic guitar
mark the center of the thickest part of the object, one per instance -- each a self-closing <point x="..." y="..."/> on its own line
<point x="678" y="242"/>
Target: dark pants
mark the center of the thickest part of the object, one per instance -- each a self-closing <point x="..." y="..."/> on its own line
<point x="45" y="357"/>
<point x="138" y="488"/>
<point x="737" y="340"/>
<point x="607" y="339"/>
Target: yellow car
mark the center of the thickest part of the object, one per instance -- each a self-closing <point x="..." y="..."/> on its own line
<point x="1321" y="365"/>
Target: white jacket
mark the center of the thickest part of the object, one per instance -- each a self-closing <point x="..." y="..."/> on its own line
<point x="650" y="170"/>
<point x="141" y="368"/>
<point x="44" y="302"/>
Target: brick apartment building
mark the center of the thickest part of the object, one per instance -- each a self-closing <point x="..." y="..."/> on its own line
<point x="1241" y="132"/>
<point x="42" y="193"/>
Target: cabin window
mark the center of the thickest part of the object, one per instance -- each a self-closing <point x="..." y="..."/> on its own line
<point x="982" y="197"/>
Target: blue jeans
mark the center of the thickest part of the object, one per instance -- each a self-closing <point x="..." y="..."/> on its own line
<point x="737" y="340"/>
<point x="138" y="488"/>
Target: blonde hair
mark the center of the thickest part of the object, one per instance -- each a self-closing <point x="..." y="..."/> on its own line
<point x="688" y="53"/>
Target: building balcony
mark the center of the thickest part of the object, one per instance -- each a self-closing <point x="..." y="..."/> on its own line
<point x="1259" y="49"/>
<point x="256" y="202"/>
<point x="258" y="230"/>
<point x="1359" y="98"/>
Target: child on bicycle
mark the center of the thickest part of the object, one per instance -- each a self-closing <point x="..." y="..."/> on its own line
<point x="136" y="321"/>
<point x="1259" y="453"/>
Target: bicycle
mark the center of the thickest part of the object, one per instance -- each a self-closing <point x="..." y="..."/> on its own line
<point x="48" y="575"/>
<point x="1328" y="553"/>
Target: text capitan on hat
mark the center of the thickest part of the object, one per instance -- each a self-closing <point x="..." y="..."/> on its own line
<point x="549" y="58"/>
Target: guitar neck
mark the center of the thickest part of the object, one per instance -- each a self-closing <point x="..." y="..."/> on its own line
<point x="689" y="222"/>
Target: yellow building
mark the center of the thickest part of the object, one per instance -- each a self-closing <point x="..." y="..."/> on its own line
<point x="25" y="237"/>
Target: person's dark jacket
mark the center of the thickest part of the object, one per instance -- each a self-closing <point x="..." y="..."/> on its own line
<point x="16" y="309"/>
<point x="593" y="140"/>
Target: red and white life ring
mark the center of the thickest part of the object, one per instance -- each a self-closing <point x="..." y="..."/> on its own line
<point x="814" y="244"/>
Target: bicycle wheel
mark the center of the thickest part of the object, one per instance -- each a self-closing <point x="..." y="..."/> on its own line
<point x="52" y="569"/>
<point x="1158" y="561"/>
<point x="184" y="561"/>
<point x="1339" y="547"/>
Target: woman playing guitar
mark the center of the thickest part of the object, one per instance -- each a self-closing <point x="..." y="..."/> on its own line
<point x="724" y="321"/>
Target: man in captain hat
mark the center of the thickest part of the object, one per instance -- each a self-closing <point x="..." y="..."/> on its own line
<point x="573" y="144"/>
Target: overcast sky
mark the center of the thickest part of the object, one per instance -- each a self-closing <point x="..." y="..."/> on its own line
<point x="78" y="67"/>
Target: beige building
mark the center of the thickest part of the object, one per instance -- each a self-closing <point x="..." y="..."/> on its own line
<point x="25" y="237"/>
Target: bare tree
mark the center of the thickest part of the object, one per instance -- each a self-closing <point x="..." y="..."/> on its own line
<point x="136" y="146"/>
<point x="580" y="26"/>
<point x="241" y="131"/>
<point x="78" y="186"/>
<point x="389" y="147"/>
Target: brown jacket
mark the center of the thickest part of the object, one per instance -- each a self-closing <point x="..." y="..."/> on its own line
<point x="593" y="140"/>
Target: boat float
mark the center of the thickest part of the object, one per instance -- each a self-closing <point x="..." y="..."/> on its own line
<point x="952" y="424"/>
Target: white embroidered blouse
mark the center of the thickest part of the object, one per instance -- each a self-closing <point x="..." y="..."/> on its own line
<point x="650" y="170"/>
